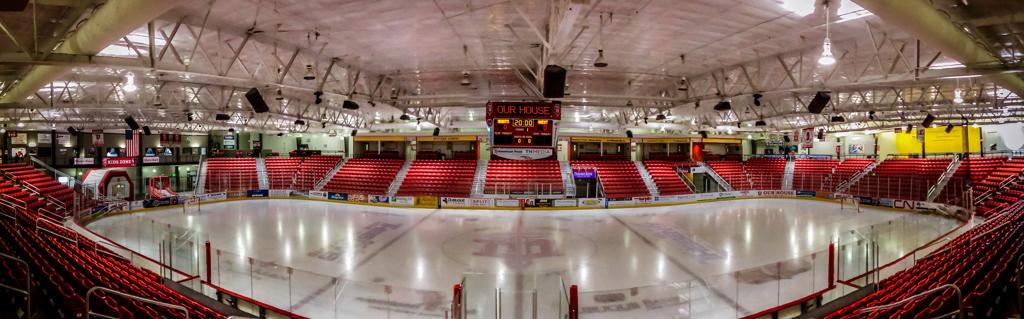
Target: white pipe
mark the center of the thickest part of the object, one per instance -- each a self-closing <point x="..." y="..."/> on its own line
<point x="922" y="20"/>
<point x="110" y="22"/>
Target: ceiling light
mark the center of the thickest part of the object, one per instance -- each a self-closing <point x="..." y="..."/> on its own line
<point x="760" y="123"/>
<point x="20" y="124"/>
<point x="309" y="76"/>
<point x="465" y="79"/>
<point x="599" y="62"/>
<point x="757" y="99"/>
<point x="683" y="85"/>
<point x="871" y="115"/>
<point x="279" y="95"/>
<point x="318" y="97"/>
<point x="129" y="83"/>
<point x="827" y="58"/>
<point x="958" y="96"/>
<point x="838" y="119"/>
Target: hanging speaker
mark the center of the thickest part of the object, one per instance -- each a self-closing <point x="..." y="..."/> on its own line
<point x="256" y="101"/>
<point x="704" y="134"/>
<point x="629" y="133"/>
<point x="350" y="105"/>
<point x="819" y="102"/>
<point x="145" y="130"/>
<point x="554" y="81"/>
<point x="72" y="130"/>
<point x="928" y="120"/>
<point x="437" y="131"/>
<point x="222" y="117"/>
<point x="131" y="123"/>
<point x="354" y="131"/>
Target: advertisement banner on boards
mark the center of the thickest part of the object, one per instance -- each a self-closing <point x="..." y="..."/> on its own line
<point x="707" y="196"/>
<point x="337" y="196"/>
<point x="481" y="202"/>
<point x="454" y="202"/>
<point x="644" y="200"/>
<point x="590" y="202"/>
<point x="904" y="204"/>
<point x="380" y="199"/>
<point x="775" y="193"/>
<point x="564" y="203"/>
<point x="317" y="194"/>
<point x="426" y="201"/>
<point x="537" y="202"/>
<point x="806" y="193"/>
<point x="357" y="198"/>
<point x="402" y="200"/>
<point x="627" y="202"/>
<point x="216" y="196"/>
<point x="508" y="202"/>
<point x="257" y="193"/>
<point x="280" y="193"/>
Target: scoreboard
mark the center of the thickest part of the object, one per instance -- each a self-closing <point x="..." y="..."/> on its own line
<point x="522" y="133"/>
<point x="523" y="124"/>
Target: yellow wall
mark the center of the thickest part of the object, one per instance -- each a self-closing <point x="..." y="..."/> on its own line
<point x="936" y="140"/>
<point x="907" y="143"/>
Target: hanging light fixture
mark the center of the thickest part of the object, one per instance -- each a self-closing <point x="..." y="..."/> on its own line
<point x="309" y="76"/>
<point x="958" y="96"/>
<point x="827" y="58"/>
<point x="599" y="62"/>
<point x="129" y="83"/>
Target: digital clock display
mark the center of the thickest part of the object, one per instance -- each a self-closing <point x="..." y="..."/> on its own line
<point x="522" y="133"/>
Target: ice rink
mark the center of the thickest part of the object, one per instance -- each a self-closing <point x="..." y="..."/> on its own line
<point x="705" y="260"/>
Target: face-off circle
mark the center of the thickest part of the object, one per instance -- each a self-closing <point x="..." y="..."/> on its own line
<point x="532" y="250"/>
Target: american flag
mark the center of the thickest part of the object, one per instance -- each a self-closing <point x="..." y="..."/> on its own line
<point x="131" y="143"/>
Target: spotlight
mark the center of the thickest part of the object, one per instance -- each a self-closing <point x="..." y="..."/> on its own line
<point x="910" y="127"/>
<point x="73" y="131"/>
<point x="683" y="85"/>
<point x="871" y="115"/>
<point x="190" y="116"/>
<point x="928" y="120"/>
<point x="949" y="128"/>
<point x="838" y="119"/>
<point x="660" y="117"/>
<point x="723" y="105"/>
<point x="279" y="95"/>
<point x="827" y="58"/>
<point x="319" y="97"/>
<point x="599" y="62"/>
<point x="645" y="120"/>
<point x="309" y="76"/>
<point x="757" y="99"/>
<point x="404" y="117"/>
<point x="760" y="123"/>
<point x="232" y="130"/>
<point x="300" y="122"/>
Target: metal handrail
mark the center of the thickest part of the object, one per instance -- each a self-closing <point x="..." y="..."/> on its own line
<point x="28" y="283"/>
<point x="88" y="302"/>
<point x="52" y="232"/>
<point x="959" y="298"/>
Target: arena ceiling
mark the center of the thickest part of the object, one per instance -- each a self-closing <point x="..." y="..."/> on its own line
<point x="68" y="62"/>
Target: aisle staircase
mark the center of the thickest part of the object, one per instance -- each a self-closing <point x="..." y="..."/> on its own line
<point x="787" y="175"/>
<point x="844" y="186"/>
<point x="330" y="174"/>
<point x="201" y="183"/>
<point x="478" y="179"/>
<point x="399" y="178"/>
<point x="718" y="178"/>
<point x="261" y="173"/>
<point x="648" y="180"/>
<point x="686" y="179"/>
<point x="568" y="182"/>
<point x="936" y="189"/>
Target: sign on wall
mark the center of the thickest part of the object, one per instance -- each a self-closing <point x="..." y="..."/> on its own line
<point x="119" y="162"/>
<point x="807" y="138"/>
<point x="18" y="138"/>
<point x="43" y="138"/>
<point x="523" y="153"/>
<point x="527" y="110"/>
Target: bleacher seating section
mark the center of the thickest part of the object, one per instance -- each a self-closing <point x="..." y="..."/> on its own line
<point x="231" y="175"/>
<point x="972" y="170"/>
<point x="811" y="174"/>
<point x="676" y="157"/>
<point x="312" y="169"/>
<point x="993" y="193"/>
<point x="620" y="179"/>
<point x="520" y="177"/>
<point x="381" y="155"/>
<point x="447" y="178"/>
<point x="983" y="263"/>
<point x="31" y="189"/>
<point x="281" y="171"/>
<point x="765" y="173"/>
<point x="732" y="172"/>
<point x="64" y="265"/>
<point x="665" y="177"/>
<point x="901" y="178"/>
<point x="846" y="170"/>
<point x="365" y="176"/>
<point x="602" y="157"/>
